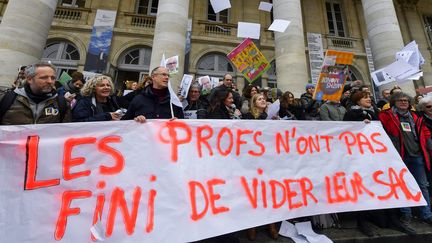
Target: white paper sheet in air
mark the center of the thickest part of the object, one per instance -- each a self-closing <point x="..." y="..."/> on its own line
<point x="219" y="5"/>
<point x="248" y="30"/>
<point x="279" y="25"/>
<point x="264" y="6"/>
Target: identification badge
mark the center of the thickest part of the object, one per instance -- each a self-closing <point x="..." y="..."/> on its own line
<point x="50" y="111"/>
<point x="406" y="127"/>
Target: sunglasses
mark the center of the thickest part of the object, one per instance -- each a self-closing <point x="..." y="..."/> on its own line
<point x="429" y="106"/>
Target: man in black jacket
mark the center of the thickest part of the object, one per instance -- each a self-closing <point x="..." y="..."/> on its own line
<point x="227" y="84"/>
<point x="154" y="100"/>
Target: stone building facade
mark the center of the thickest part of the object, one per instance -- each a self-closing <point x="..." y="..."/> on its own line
<point x="146" y="29"/>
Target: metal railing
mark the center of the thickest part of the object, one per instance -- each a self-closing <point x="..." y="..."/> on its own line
<point x="216" y="29"/>
<point x="336" y="42"/>
<point x="71" y="14"/>
<point x="140" y="20"/>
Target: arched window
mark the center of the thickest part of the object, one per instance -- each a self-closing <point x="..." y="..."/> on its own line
<point x="62" y="54"/>
<point x="272" y="79"/>
<point x="132" y="65"/>
<point x="214" y="65"/>
<point x="136" y="59"/>
<point x="353" y="74"/>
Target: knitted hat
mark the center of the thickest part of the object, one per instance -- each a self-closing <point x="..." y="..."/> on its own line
<point x="310" y="86"/>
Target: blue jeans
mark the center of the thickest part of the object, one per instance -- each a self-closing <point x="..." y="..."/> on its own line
<point x="416" y="165"/>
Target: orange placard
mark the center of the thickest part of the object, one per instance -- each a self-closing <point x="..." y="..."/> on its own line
<point x="334" y="73"/>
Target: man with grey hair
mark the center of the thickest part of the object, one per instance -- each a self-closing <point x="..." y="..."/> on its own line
<point x="36" y="102"/>
<point x="154" y="101"/>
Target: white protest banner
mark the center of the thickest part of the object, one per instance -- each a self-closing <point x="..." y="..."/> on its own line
<point x="186" y="180"/>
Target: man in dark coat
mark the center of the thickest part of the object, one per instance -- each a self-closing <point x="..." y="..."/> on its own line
<point x="154" y="100"/>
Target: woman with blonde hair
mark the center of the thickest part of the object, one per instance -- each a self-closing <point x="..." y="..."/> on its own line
<point x="98" y="102"/>
<point x="257" y="109"/>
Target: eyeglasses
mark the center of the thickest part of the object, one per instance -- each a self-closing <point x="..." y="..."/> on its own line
<point x="428" y="106"/>
<point x="403" y="100"/>
<point x="227" y="79"/>
<point x="163" y="74"/>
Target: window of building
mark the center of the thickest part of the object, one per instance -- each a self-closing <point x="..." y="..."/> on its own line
<point x="214" y="65"/>
<point x="222" y="16"/>
<point x="428" y="28"/>
<point x="137" y="59"/>
<point x="132" y="65"/>
<point x="335" y="18"/>
<point x="72" y="3"/>
<point x="64" y="55"/>
<point x="147" y="7"/>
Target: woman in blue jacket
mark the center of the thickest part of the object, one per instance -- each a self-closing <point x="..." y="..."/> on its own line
<point x="98" y="102"/>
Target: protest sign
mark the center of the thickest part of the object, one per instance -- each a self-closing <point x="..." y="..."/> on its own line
<point x="172" y="64"/>
<point x="206" y="84"/>
<point x="64" y="78"/>
<point x="186" y="180"/>
<point x="185" y="85"/>
<point x="334" y="73"/>
<point x="249" y="60"/>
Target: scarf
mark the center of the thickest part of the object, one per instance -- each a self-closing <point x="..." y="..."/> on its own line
<point x="37" y="98"/>
<point x="364" y="110"/>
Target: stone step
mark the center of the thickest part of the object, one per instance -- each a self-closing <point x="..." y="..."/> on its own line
<point x="346" y="235"/>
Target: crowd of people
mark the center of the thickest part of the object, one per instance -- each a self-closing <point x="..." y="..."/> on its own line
<point x="407" y="121"/>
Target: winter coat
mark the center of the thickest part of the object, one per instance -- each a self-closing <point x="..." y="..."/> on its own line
<point x="249" y="116"/>
<point x="331" y="111"/>
<point x="147" y="104"/>
<point x="200" y="106"/>
<point x="355" y="113"/>
<point x="86" y="110"/>
<point x="220" y="112"/>
<point x="311" y="107"/>
<point x="392" y="126"/>
<point x="25" y="111"/>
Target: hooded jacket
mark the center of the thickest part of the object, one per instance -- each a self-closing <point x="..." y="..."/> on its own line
<point x="25" y="111"/>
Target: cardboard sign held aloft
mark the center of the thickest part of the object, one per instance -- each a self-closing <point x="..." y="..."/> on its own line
<point x="249" y="60"/>
<point x="334" y="73"/>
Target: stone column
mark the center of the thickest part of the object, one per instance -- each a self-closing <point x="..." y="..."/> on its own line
<point x="170" y="35"/>
<point x="384" y="35"/>
<point x="23" y="33"/>
<point x="416" y="32"/>
<point x="291" y="66"/>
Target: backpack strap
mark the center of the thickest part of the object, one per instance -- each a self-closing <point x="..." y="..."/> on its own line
<point x="63" y="106"/>
<point x="6" y="102"/>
